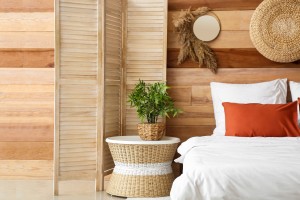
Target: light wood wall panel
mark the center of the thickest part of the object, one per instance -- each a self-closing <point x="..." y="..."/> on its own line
<point x="194" y="98"/>
<point x="227" y="19"/>
<point x="214" y="4"/>
<point x="26" y="122"/>
<point x="231" y="58"/>
<point x="238" y="61"/>
<point x="146" y="38"/>
<point x="26" y="58"/>
<point x="27" y="94"/>
<point x="26" y="6"/>
<point x="233" y="47"/>
<point x="28" y="21"/>
<point x="26" y="169"/>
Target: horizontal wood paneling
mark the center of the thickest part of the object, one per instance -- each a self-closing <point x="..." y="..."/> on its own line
<point x="238" y="62"/>
<point x="231" y="20"/>
<point x="191" y="92"/>
<point x="26" y="6"/>
<point x="186" y="132"/>
<point x="14" y="132"/>
<point x="27" y="76"/>
<point x="26" y="95"/>
<point x="26" y="40"/>
<point x="32" y="22"/>
<point x="226" y="39"/>
<point x="232" y="58"/>
<point x="26" y="169"/>
<point x="26" y="150"/>
<point x="214" y="4"/>
<point x="202" y="77"/>
<point x="23" y="58"/>
<point x="26" y="122"/>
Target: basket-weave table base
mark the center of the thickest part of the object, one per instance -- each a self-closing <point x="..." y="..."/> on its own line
<point x="140" y="186"/>
<point x="142" y="170"/>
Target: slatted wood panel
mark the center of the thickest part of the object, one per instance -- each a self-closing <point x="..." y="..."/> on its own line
<point x="113" y="29"/>
<point x="77" y="89"/>
<point x="146" y="38"/>
<point x="238" y="60"/>
<point x="89" y="55"/>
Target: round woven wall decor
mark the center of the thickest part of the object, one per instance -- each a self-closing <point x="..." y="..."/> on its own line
<point x="275" y="30"/>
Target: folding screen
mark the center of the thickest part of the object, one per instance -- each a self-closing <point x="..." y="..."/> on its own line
<point x="88" y="68"/>
<point x="94" y="40"/>
<point x="112" y="82"/>
<point x="146" y="45"/>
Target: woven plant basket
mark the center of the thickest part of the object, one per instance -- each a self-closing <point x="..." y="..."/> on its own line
<point x="149" y="131"/>
<point x="275" y="30"/>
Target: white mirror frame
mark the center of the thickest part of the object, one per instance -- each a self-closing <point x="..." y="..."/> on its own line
<point x="207" y="27"/>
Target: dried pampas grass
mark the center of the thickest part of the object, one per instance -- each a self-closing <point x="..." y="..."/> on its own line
<point x="191" y="47"/>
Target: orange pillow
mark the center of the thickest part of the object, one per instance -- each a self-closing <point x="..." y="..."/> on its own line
<point x="264" y="120"/>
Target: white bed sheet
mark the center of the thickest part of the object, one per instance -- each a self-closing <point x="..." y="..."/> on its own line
<point x="238" y="168"/>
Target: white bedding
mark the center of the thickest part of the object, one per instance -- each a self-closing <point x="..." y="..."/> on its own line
<point x="238" y="168"/>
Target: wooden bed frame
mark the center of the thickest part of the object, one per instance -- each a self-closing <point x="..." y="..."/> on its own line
<point x="190" y="89"/>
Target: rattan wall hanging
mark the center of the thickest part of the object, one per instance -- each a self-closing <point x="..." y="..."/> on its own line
<point x="191" y="47"/>
<point x="275" y="30"/>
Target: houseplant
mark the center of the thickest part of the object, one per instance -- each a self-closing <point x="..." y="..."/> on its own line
<point x="152" y="101"/>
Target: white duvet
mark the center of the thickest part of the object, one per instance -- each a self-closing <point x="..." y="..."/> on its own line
<point x="238" y="168"/>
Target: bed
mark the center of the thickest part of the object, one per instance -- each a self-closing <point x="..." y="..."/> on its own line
<point x="259" y="167"/>
<point x="238" y="168"/>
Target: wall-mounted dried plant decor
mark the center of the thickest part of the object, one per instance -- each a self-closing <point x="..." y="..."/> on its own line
<point x="191" y="47"/>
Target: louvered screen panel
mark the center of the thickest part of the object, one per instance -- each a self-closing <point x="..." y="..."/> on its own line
<point x="112" y="74"/>
<point x="145" y="48"/>
<point x="77" y="87"/>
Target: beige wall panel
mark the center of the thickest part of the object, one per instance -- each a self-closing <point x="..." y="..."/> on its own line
<point x="26" y="169"/>
<point x="25" y="40"/>
<point x="231" y="20"/>
<point x="32" y="22"/>
<point x="226" y="39"/>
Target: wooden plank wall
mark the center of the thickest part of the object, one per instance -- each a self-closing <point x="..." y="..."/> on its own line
<point x="235" y="53"/>
<point x="26" y="89"/>
<point x="145" y="54"/>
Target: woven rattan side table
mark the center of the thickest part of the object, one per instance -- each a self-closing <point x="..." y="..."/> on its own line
<point x="142" y="168"/>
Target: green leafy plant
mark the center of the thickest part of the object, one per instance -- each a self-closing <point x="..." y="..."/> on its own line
<point x="152" y="101"/>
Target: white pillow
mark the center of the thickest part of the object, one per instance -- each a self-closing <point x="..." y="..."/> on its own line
<point x="271" y="92"/>
<point x="295" y="91"/>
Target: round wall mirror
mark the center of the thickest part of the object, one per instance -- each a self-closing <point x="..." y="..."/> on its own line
<point x="206" y="28"/>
